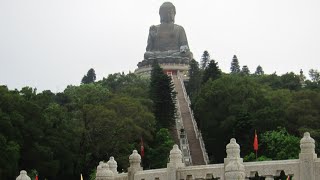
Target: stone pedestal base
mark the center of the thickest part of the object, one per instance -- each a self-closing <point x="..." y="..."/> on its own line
<point x="169" y="66"/>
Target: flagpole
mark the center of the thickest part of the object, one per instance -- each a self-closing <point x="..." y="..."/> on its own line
<point x="255" y="144"/>
<point x="256" y="155"/>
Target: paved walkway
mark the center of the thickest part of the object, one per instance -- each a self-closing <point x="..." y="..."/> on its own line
<point x="194" y="143"/>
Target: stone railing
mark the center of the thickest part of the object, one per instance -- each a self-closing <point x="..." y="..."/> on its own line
<point x="195" y="126"/>
<point x="146" y="69"/>
<point x="164" y="60"/>
<point x="182" y="136"/>
<point x="307" y="167"/>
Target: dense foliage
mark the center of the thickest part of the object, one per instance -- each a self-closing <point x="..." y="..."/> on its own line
<point x="90" y="77"/>
<point x="237" y="104"/>
<point x="59" y="136"/>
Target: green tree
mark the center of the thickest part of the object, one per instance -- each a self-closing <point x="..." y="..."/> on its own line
<point x="226" y="108"/>
<point x="290" y="81"/>
<point x="62" y="135"/>
<point x="314" y="75"/>
<point x="108" y="124"/>
<point x="160" y="150"/>
<point x="9" y="157"/>
<point x="211" y="72"/>
<point x="194" y="83"/>
<point x="259" y="71"/>
<point x="28" y="92"/>
<point x="163" y="96"/>
<point x="272" y="80"/>
<point x="312" y="85"/>
<point x="205" y="59"/>
<point x="245" y="70"/>
<point x="45" y="98"/>
<point x="90" y="77"/>
<point x="279" y="144"/>
<point x="130" y="84"/>
<point x="303" y="114"/>
<point x="273" y="112"/>
<point x="235" y="67"/>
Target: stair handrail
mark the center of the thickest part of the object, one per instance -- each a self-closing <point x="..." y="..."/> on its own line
<point x="195" y="126"/>
<point x="196" y="130"/>
<point x="184" y="143"/>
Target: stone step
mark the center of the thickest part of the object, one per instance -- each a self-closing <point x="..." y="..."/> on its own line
<point x="194" y="143"/>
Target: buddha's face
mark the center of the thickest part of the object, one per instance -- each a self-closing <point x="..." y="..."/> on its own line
<point x="167" y="13"/>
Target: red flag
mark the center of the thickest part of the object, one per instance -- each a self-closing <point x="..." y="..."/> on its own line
<point x="36" y="177"/>
<point x="255" y="141"/>
<point x="142" y="148"/>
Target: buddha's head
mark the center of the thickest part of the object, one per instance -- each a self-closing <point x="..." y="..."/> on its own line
<point x="167" y="12"/>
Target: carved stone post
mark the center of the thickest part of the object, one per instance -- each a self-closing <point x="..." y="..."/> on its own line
<point x="113" y="165"/>
<point x="234" y="168"/>
<point x="307" y="157"/>
<point x="23" y="176"/>
<point x="134" y="160"/>
<point x="99" y="170"/>
<point x="103" y="172"/>
<point x="175" y="162"/>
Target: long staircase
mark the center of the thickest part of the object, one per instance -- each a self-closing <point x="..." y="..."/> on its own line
<point x="191" y="142"/>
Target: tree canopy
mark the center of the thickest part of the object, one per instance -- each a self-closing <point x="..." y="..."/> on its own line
<point x="205" y="59"/>
<point x="234" y="105"/>
<point x="60" y="135"/>
<point x="235" y="67"/>
<point x="90" y="77"/>
<point x="163" y="96"/>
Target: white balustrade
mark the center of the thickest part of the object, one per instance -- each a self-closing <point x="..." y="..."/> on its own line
<point x="195" y="126"/>
<point x="307" y="167"/>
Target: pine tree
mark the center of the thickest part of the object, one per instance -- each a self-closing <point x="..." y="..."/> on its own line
<point x="245" y="70"/>
<point x="90" y="77"/>
<point x="194" y="78"/>
<point x="163" y="96"/>
<point x="235" y="68"/>
<point x="259" y="71"/>
<point x="314" y="75"/>
<point x="211" y="72"/>
<point x="205" y="59"/>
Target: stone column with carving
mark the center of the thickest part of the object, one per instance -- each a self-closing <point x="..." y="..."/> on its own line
<point x="99" y="170"/>
<point x="103" y="172"/>
<point x="174" y="163"/>
<point x="135" y="164"/>
<point x="113" y="165"/>
<point x="23" y="176"/>
<point x="234" y="168"/>
<point x="307" y="157"/>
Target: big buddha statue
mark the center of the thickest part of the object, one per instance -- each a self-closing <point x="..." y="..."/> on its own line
<point x="167" y="42"/>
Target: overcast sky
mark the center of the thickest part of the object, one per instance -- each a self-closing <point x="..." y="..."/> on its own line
<point x="49" y="44"/>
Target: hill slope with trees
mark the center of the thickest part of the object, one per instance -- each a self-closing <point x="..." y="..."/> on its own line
<point x="60" y="135"/>
<point x="235" y="104"/>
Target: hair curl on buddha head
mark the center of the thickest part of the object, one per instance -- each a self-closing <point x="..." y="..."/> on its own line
<point x="164" y="12"/>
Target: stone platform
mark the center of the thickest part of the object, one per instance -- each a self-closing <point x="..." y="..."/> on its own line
<point x="172" y="68"/>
